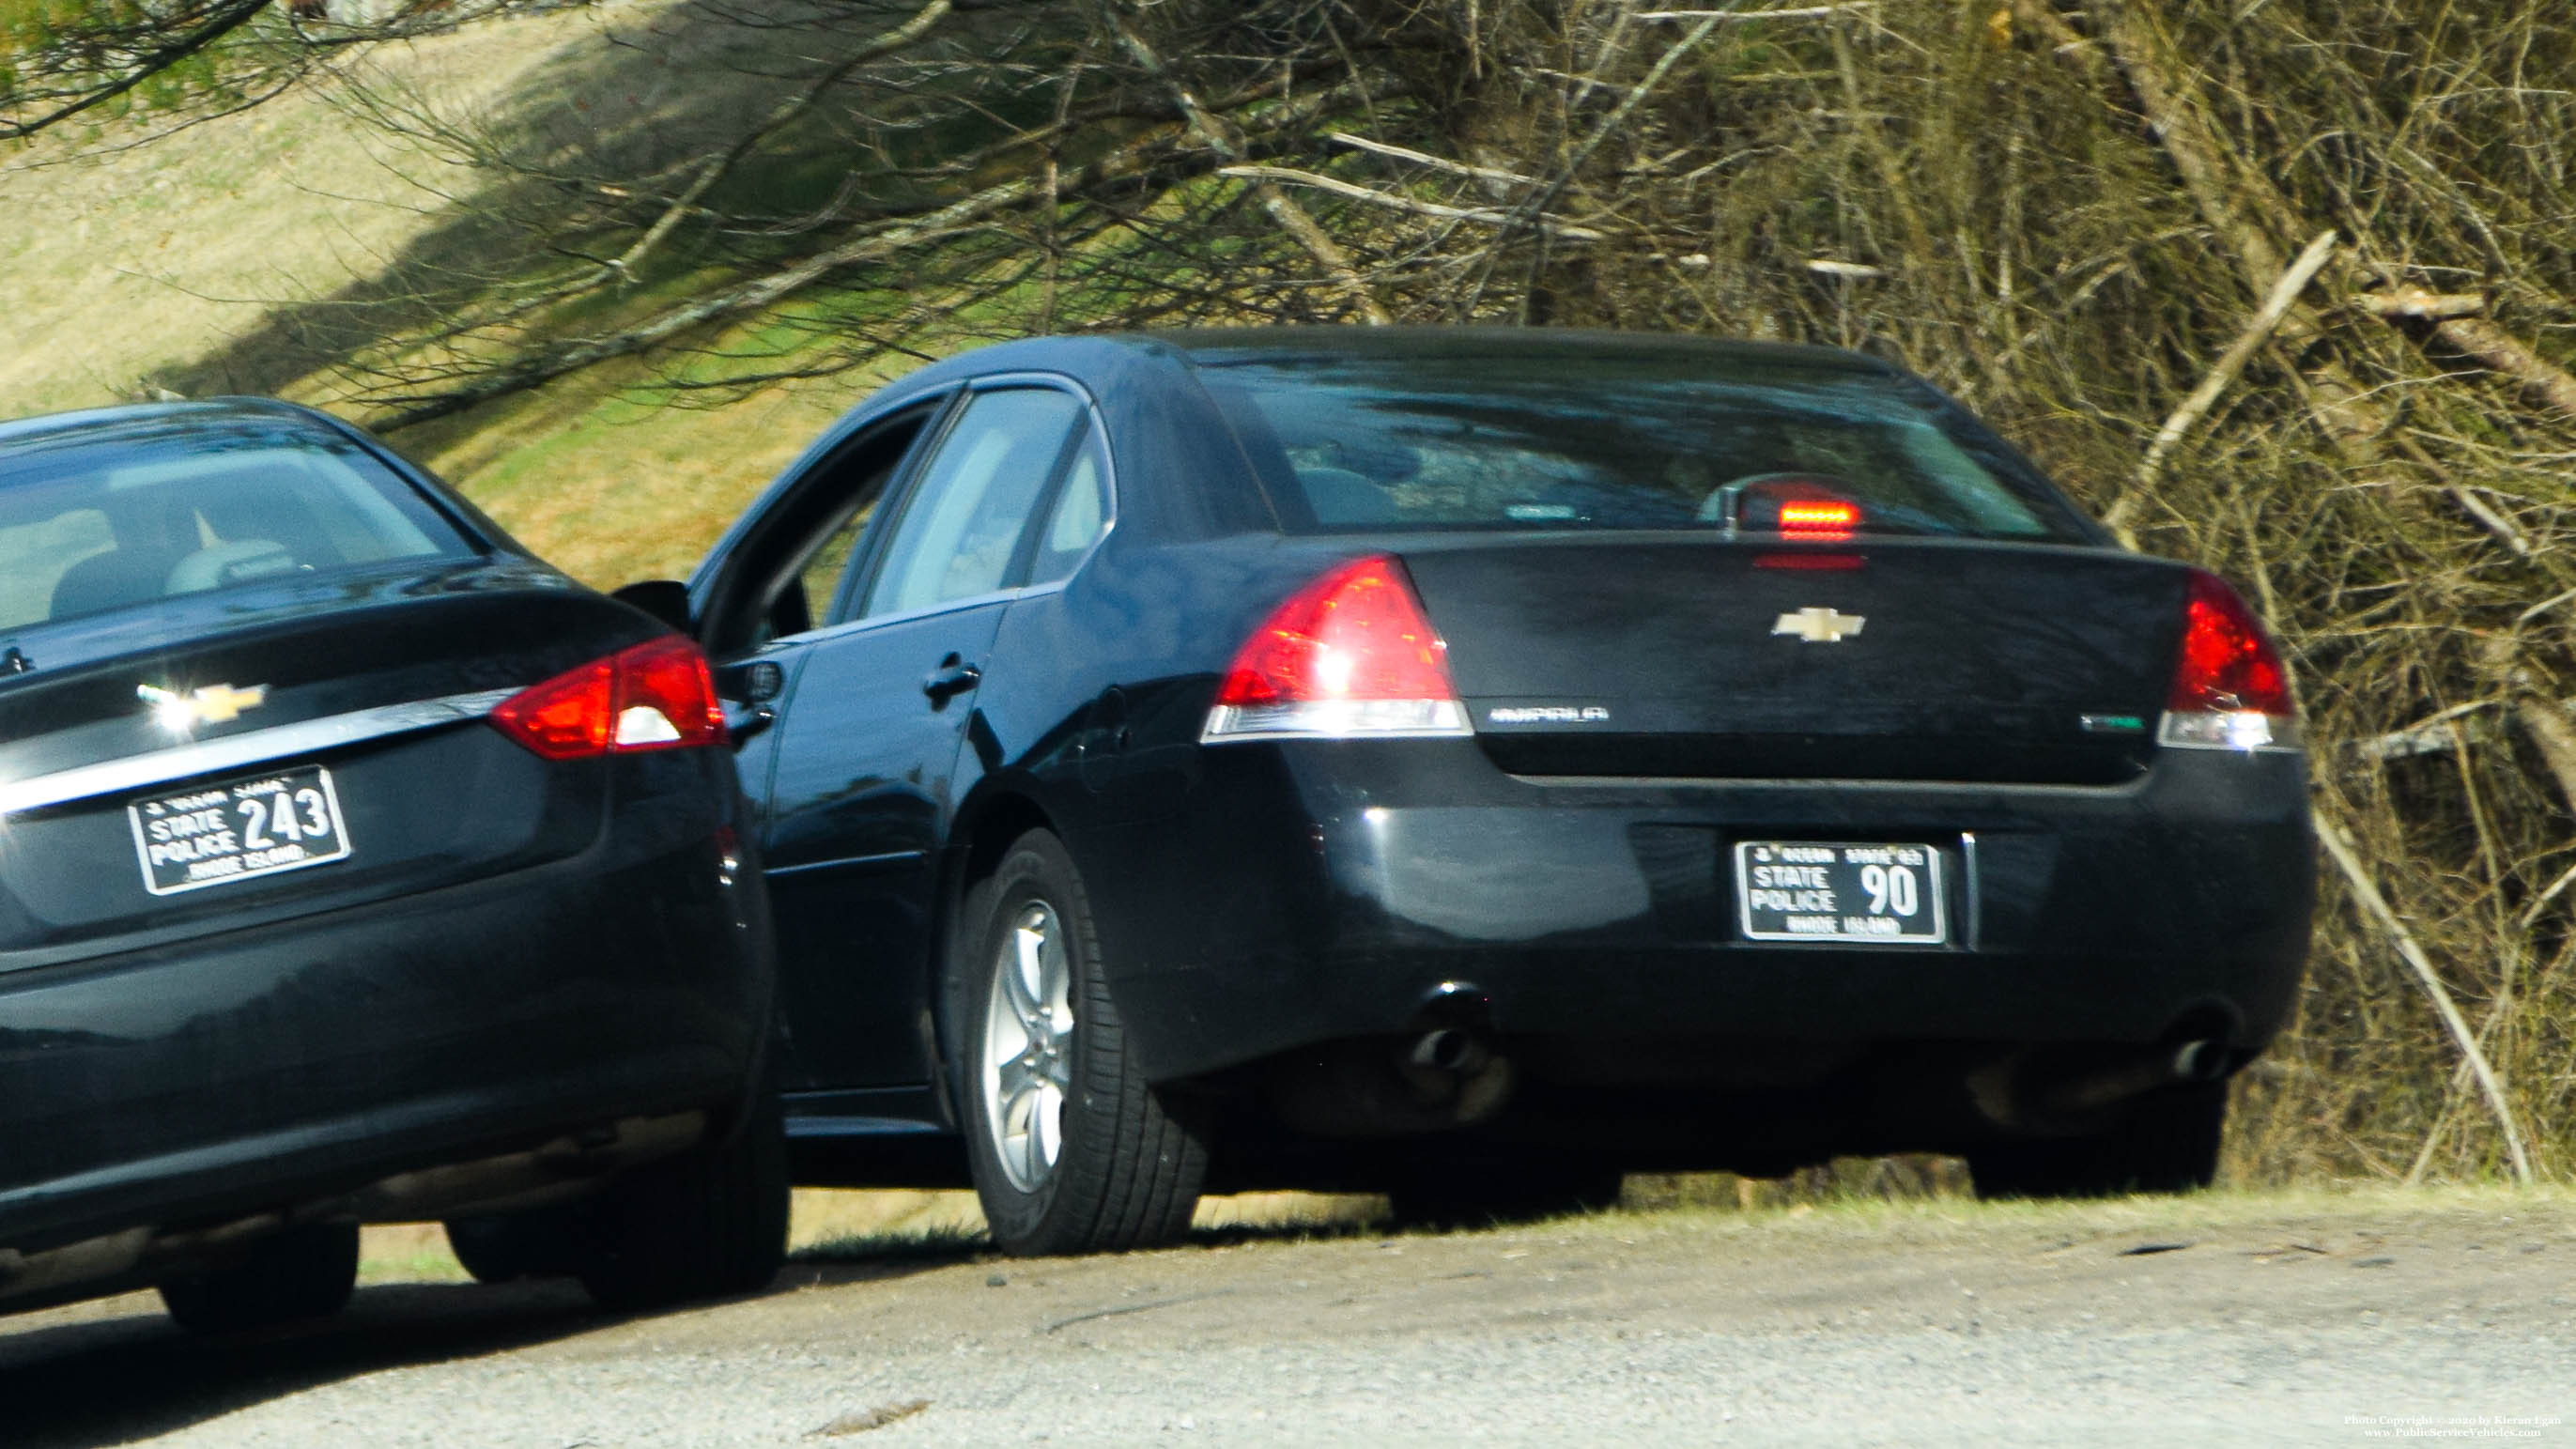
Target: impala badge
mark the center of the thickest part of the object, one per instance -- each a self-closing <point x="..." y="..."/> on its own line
<point x="1819" y="626"/>
<point x="215" y="704"/>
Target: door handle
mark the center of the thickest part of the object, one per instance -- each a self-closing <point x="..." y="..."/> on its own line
<point x="953" y="676"/>
<point x="740" y="728"/>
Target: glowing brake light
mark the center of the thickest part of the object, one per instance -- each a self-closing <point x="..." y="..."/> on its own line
<point x="1350" y="654"/>
<point x="657" y="695"/>
<point x="2230" y="690"/>
<point x="1819" y="518"/>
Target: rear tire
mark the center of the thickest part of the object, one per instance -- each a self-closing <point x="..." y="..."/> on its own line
<point x="1456" y="1195"/>
<point x="1071" y="1150"/>
<point x="305" y="1272"/>
<point x="710" y="1223"/>
<point x="2166" y="1143"/>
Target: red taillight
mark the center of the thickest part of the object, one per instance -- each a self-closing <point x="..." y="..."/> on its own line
<point x="2230" y="690"/>
<point x="1349" y="654"/>
<point x="658" y="695"/>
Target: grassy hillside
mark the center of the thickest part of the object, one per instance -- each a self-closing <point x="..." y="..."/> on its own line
<point x="125" y="263"/>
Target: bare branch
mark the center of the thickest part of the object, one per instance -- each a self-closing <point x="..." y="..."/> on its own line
<point x="1424" y="158"/>
<point x="2366" y="894"/>
<point x="1554" y="226"/>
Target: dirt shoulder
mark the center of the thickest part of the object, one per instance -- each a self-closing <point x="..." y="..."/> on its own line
<point x="2304" y="1319"/>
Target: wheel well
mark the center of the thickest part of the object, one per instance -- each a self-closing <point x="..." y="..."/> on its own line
<point x="994" y="829"/>
<point x="987" y="835"/>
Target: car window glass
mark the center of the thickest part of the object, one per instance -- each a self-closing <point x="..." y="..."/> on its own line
<point x="821" y="576"/>
<point x="105" y="525"/>
<point x="1080" y="514"/>
<point x="39" y="554"/>
<point x="1496" y="443"/>
<point x="962" y="524"/>
<point x="789" y="574"/>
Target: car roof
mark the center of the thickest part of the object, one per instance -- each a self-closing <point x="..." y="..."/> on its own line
<point x="1085" y="353"/>
<point x="1216" y="346"/>
<point x="137" y="418"/>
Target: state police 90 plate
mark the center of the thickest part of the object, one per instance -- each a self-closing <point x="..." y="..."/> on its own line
<point x="241" y="830"/>
<point x="1881" y="895"/>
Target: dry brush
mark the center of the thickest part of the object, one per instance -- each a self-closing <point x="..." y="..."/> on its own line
<point x="2283" y="289"/>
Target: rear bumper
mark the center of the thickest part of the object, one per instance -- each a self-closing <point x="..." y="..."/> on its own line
<point x="1318" y="891"/>
<point x="283" y="1064"/>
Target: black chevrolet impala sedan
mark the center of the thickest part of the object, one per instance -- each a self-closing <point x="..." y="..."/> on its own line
<point x="354" y="866"/>
<point x="1473" y="764"/>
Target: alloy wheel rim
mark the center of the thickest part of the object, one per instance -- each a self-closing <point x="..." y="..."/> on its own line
<point x="1027" y="1064"/>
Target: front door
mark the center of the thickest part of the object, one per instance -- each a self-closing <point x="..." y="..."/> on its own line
<point x="866" y="772"/>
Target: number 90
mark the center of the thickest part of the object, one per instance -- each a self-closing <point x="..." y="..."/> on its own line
<point x="1891" y="889"/>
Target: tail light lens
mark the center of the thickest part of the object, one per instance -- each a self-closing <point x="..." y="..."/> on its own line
<point x="1349" y="654"/>
<point x="658" y="695"/>
<point x="2230" y="691"/>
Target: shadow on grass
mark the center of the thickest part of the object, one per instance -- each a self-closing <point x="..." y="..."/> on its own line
<point x="616" y="113"/>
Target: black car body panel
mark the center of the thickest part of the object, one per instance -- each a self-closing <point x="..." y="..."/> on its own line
<point x="1557" y="877"/>
<point x="515" y="951"/>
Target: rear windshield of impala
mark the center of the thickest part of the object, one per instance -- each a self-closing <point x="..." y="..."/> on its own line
<point x="87" y="527"/>
<point x="1582" y="442"/>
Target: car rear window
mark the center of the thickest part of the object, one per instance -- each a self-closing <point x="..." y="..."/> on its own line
<point x="91" y="526"/>
<point x="1559" y="441"/>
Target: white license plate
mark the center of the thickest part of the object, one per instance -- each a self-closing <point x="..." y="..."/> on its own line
<point x="1799" y="890"/>
<point x="240" y="830"/>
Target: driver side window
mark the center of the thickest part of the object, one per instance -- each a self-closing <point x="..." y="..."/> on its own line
<point x="792" y="576"/>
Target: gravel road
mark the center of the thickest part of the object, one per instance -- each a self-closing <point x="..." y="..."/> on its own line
<point x="2309" y="1319"/>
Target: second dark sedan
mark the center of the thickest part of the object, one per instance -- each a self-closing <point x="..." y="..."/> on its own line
<point x="354" y="866"/>
<point x="1473" y="764"/>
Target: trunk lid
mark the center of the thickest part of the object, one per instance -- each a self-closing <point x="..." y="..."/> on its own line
<point x="421" y="806"/>
<point x="1883" y="660"/>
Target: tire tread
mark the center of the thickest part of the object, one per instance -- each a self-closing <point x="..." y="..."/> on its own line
<point x="1140" y="1188"/>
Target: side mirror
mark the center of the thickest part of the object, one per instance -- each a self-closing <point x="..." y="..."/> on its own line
<point x="664" y="599"/>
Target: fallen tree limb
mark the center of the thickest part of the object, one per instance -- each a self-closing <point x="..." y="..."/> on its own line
<point x="2339" y="848"/>
<point x="2415" y="302"/>
<point x="2267" y="318"/>
<point x="2500" y="351"/>
<point x="1554" y="226"/>
<point x="1287" y="214"/>
<point x="2459" y="322"/>
<point x="1795" y="12"/>
<point x="743" y="298"/>
<point x="1425" y="158"/>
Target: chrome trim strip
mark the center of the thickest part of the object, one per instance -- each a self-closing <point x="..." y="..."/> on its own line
<point x="236" y="752"/>
<point x="851" y="862"/>
<point x="1973" y="887"/>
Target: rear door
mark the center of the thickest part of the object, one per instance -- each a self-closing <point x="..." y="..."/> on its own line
<point x="866" y="773"/>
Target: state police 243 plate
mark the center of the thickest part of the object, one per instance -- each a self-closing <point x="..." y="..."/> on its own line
<point x="239" y="830"/>
<point x="1800" y="890"/>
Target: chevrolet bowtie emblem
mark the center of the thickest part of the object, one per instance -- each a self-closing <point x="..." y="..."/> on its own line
<point x="214" y="704"/>
<point x="1819" y="626"/>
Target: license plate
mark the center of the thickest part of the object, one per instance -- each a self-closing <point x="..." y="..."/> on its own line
<point x="1795" y="890"/>
<point x="242" y="830"/>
